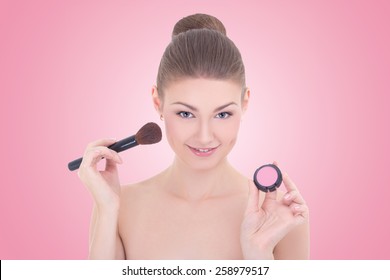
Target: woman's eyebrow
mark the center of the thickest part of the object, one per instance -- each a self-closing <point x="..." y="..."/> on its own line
<point x="196" y="110"/>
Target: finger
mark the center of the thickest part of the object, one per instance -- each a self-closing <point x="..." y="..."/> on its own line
<point x="295" y="207"/>
<point x="271" y="195"/>
<point x="90" y="158"/>
<point x="288" y="183"/>
<point x="111" y="156"/>
<point x="293" y="196"/>
<point x="275" y="163"/>
<point x="101" y="142"/>
<point x="253" y="199"/>
<point x="298" y="209"/>
<point x="111" y="163"/>
<point x="94" y="155"/>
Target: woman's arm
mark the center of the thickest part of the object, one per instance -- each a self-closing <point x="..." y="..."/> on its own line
<point x="104" y="239"/>
<point x="104" y="186"/>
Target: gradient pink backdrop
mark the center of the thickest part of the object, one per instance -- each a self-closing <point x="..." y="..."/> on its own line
<point x="75" y="71"/>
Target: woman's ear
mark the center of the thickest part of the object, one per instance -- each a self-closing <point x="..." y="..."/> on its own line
<point x="157" y="103"/>
<point x="245" y="100"/>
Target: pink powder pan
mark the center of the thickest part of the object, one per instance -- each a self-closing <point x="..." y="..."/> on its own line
<point x="267" y="178"/>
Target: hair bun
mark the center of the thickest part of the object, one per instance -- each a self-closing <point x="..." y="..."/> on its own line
<point x="198" y="21"/>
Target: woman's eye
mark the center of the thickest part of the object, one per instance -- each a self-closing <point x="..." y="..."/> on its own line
<point x="185" y="115"/>
<point x="223" y="115"/>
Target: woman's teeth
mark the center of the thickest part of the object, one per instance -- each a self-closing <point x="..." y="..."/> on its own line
<point x="203" y="150"/>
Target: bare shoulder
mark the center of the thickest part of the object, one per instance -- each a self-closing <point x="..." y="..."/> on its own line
<point x="138" y="187"/>
<point x="137" y="199"/>
<point x="138" y="190"/>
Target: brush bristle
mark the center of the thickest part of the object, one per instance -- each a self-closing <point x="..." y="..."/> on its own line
<point x="150" y="133"/>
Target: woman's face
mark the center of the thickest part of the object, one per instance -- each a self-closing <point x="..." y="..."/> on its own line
<point x="202" y="119"/>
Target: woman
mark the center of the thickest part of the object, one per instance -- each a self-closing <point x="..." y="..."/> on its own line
<point x="200" y="207"/>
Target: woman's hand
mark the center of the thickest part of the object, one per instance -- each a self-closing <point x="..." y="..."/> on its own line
<point x="104" y="185"/>
<point x="264" y="226"/>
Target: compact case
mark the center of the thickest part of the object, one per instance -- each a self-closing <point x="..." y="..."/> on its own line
<point x="268" y="178"/>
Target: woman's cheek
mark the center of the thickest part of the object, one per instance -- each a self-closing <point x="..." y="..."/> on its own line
<point x="230" y="128"/>
<point x="176" y="129"/>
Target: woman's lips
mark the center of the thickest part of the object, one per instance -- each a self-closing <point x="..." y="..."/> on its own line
<point x="203" y="152"/>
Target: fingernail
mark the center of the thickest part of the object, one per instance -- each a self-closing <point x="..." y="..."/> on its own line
<point x="297" y="207"/>
<point x="287" y="196"/>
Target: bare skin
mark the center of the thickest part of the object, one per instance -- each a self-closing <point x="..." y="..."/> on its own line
<point x="157" y="223"/>
<point x="200" y="207"/>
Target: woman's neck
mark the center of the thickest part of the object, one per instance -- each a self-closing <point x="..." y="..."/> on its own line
<point x="196" y="185"/>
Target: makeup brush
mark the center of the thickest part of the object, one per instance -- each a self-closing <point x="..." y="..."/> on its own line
<point x="150" y="133"/>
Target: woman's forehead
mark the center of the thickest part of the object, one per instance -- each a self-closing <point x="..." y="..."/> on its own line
<point x="203" y="90"/>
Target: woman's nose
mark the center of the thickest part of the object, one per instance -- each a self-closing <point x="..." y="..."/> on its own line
<point x="205" y="133"/>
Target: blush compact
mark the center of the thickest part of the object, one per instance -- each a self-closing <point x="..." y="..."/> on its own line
<point x="268" y="178"/>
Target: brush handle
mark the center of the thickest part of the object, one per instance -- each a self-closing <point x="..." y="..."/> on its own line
<point x="119" y="146"/>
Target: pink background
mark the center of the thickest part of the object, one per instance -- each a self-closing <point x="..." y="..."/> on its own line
<point x="75" y="71"/>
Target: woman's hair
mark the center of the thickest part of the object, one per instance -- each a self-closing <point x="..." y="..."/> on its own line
<point x="200" y="49"/>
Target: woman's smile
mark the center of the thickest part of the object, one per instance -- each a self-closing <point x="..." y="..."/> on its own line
<point x="203" y="152"/>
